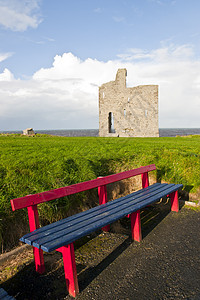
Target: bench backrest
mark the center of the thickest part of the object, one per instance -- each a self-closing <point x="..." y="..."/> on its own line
<point x="32" y="200"/>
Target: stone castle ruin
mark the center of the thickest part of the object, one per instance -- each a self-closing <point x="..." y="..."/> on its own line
<point x="128" y="112"/>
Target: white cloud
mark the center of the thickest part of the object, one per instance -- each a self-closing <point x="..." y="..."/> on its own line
<point x="6" y="75"/>
<point x="165" y="53"/>
<point x="18" y="15"/>
<point x="163" y="2"/>
<point x="49" y="39"/>
<point x="66" y="95"/>
<point x="4" y="56"/>
<point x="118" y="19"/>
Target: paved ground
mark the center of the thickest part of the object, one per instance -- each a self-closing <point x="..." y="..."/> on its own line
<point x="165" y="265"/>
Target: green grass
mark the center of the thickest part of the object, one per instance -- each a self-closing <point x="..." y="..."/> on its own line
<point x="34" y="164"/>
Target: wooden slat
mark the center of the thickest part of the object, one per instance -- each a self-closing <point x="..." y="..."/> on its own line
<point x="79" y="223"/>
<point x="4" y="295"/>
<point x="85" y="214"/>
<point x="106" y="214"/>
<point x="52" y="245"/>
<point x="29" y="200"/>
<point x="106" y="218"/>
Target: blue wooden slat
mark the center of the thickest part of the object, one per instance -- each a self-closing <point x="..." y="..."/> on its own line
<point x="103" y="212"/>
<point x="101" y="220"/>
<point x="40" y="236"/>
<point x="69" y="238"/>
<point x="85" y="214"/>
<point x="4" y="295"/>
<point x="94" y="218"/>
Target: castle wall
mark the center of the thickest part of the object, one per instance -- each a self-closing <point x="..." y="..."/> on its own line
<point x="134" y="111"/>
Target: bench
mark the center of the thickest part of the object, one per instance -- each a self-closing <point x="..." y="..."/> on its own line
<point x="60" y="235"/>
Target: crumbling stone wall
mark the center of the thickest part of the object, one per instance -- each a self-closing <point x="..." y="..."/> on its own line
<point x="28" y="131"/>
<point x="128" y="112"/>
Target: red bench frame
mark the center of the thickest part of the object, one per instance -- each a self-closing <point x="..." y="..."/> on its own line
<point x="30" y="202"/>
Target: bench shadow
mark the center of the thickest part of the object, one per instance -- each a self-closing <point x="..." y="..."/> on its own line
<point x="150" y="218"/>
<point x="153" y="215"/>
<point x="87" y="276"/>
<point x="160" y="172"/>
<point x="28" y="284"/>
<point x="82" y="241"/>
<point x="185" y="192"/>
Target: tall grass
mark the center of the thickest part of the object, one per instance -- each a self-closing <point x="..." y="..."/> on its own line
<point x="34" y="164"/>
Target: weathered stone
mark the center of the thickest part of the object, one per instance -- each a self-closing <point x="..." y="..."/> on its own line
<point x="128" y="112"/>
<point x="28" y="131"/>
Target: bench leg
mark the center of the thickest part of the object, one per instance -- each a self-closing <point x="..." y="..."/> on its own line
<point x="136" y="226"/>
<point x="174" y="201"/>
<point x="34" y="224"/>
<point x="145" y="180"/>
<point x="39" y="260"/>
<point x="102" y="192"/>
<point x="70" y="269"/>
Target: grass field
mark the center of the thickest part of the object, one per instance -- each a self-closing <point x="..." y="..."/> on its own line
<point x="34" y="164"/>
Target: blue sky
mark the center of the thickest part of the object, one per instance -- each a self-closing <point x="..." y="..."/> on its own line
<point x="55" y="54"/>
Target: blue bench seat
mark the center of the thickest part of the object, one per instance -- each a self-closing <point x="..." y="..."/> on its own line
<point x="68" y="230"/>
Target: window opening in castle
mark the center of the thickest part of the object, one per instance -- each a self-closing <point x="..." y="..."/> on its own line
<point x="145" y="112"/>
<point x="111" y="128"/>
<point x="124" y="113"/>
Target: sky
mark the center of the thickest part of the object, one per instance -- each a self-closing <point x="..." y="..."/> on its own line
<point x="54" y="55"/>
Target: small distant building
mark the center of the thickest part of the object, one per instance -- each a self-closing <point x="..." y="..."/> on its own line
<point x="128" y="112"/>
<point x="28" y="131"/>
